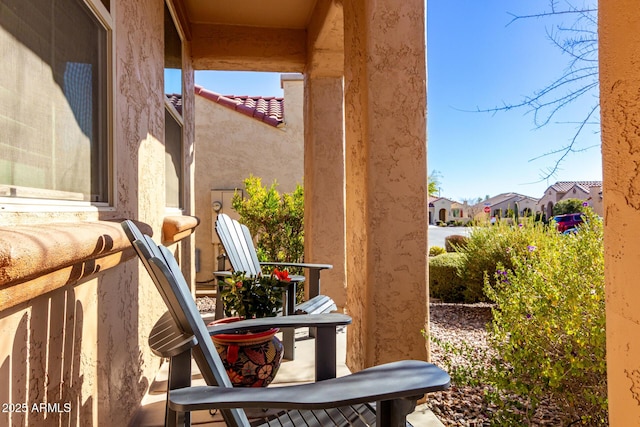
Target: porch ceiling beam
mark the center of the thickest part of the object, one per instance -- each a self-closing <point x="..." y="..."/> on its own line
<point x="326" y="40"/>
<point x="235" y="48"/>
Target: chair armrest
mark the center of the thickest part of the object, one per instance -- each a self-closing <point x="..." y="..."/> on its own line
<point x="409" y="379"/>
<point x="324" y="324"/>
<point x="222" y="274"/>
<point x="328" y="320"/>
<point x="314" y="273"/>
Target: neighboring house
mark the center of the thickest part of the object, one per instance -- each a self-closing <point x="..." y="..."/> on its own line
<point x="444" y="210"/>
<point x="589" y="191"/>
<point x="501" y="205"/>
<point x="240" y="135"/>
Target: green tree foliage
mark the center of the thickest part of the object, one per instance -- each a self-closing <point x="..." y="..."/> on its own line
<point x="568" y="206"/>
<point x="433" y="183"/>
<point x="277" y="220"/>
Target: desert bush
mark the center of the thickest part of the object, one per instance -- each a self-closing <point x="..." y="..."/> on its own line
<point x="454" y="242"/>
<point x="444" y="281"/>
<point x="549" y="325"/>
<point x="547" y="337"/>
<point x="436" y="250"/>
<point x="488" y="247"/>
<point x="277" y="220"/>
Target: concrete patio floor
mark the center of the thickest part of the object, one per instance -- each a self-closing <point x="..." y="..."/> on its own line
<point x="300" y="370"/>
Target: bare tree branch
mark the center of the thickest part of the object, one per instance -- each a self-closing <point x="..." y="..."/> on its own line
<point x="579" y="41"/>
<point x="570" y="148"/>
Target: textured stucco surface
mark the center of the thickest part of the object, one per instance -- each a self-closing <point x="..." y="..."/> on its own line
<point x="86" y="343"/>
<point x="620" y="110"/>
<point x="324" y="226"/>
<point x="231" y="47"/>
<point x="385" y="181"/>
<point x="231" y="146"/>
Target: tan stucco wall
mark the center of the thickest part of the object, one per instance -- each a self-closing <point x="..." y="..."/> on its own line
<point x="324" y="226"/>
<point x="593" y="198"/>
<point x="619" y="51"/>
<point x="231" y="146"/>
<point x="86" y="343"/>
<point x="596" y="200"/>
<point x="386" y="177"/>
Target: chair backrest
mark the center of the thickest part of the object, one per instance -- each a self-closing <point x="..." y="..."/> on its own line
<point x="170" y="282"/>
<point x="238" y="244"/>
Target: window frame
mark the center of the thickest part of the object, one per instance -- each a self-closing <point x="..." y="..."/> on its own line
<point x="177" y="116"/>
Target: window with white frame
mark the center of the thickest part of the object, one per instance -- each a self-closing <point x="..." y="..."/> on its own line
<point x="54" y="100"/>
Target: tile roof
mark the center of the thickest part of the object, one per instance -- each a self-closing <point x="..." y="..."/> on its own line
<point x="437" y="199"/>
<point x="500" y="198"/>
<point x="269" y="110"/>
<point x="176" y="100"/>
<point x="564" y="186"/>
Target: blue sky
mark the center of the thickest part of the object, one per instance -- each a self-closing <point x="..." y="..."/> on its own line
<point x="477" y="61"/>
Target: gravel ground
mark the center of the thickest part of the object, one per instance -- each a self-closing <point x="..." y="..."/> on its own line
<point x="458" y="324"/>
<point x="465" y="406"/>
<point x="206" y="305"/>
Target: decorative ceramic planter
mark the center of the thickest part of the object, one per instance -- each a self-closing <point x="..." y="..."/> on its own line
<point x="251" y="359"/>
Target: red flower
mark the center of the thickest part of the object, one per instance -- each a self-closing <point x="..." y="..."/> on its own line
<point x="282" y="276"/>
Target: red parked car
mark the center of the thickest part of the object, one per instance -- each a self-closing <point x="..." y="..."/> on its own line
<point x="565" y="222"/>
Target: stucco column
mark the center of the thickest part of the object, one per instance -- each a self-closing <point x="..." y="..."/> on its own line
<point x="324" y="198"/>
<point x="619" y="50"/>
<point x="386" y="164"/>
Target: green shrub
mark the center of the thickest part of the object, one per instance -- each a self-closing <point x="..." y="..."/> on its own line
<point x="549" y="324"/>
<point x="444" y="281"/>
<point x="454" y="242"/>
<point x="569" y="206"/>
<point x="436" y="250"/>
<point x="277" y="220"/>
<point x="488" y="247"/>
<point x="547" y="337"/>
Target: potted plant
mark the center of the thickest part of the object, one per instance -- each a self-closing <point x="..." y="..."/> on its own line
<point x="251" y="358"/>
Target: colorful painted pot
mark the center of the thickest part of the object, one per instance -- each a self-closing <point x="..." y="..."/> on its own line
<point x="251" y="359"/>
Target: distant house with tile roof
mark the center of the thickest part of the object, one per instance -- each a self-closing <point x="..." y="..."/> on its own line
<point x="589" y="191"/>
<point x="236" y="136"/>
<point x="443" y="210"/>
<point x="501" y="205"/>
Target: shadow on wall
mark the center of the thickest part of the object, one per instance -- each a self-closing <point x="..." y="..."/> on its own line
<point x="42" y="381"/>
